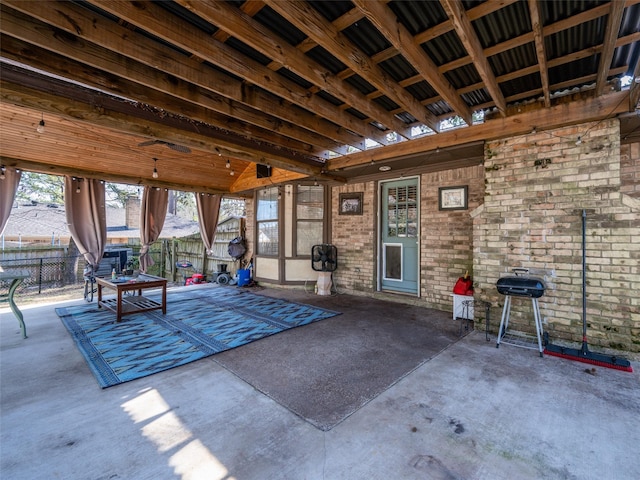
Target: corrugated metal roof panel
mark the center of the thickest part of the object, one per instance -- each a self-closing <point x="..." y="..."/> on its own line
<point x="418" y="16"/>
<point x="554" y="11"/>
<point x="568" y="71"/>
<point x="422" y="90"/>
<point x="366" y="37"/>
<point x="398" y="68"/>
<point x="502" y="25"/>
<point x="463" y="76"/>
<point x="518" y="85"/>
<point x="445" y="48"/>
<point x="439" y="108"/>
<point x="513" y="60"/>
<point x="279" y="26"/>
<point x="477" y="97"/>
<point x="361" y="84"/>
<point x="387" y="103"/>
<point x="333" y="9"/>
<point x="328" y="61"/>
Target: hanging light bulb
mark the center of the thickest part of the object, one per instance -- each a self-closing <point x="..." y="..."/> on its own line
<point x="77" y="185"/>
<point x="579" y="141"/>
<point x="232" y="173"/>
<point x="228" y="164"/>
<point x="2" y="170"/>
<point x="155" y="170"/>
<point x="40" y="127"/>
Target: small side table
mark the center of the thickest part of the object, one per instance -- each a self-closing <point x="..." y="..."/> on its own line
<point x="463" y="309"/>
<point x="16" y="279"/>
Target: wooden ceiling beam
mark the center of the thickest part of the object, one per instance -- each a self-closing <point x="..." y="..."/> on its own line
<point x="155" y="20"/>
<point x="469" y="38"/>
<point x="120" y="44"/>
<point x="259" y="37"/>
<point x="303" y="16"/>
<point x="536" y="26"/>
<point x="79" y="171"/>
<point x="610" y="36"/>
<point x="580" y="111"/>
<point x="381" y="16"/>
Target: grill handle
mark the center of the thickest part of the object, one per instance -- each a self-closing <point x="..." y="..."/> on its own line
<point x="520" y="271"/>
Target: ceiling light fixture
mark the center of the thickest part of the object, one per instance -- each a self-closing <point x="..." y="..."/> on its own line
<point x="40" y="127"/>
<point x="384" y="168"/>
<point x="155" y="170"/>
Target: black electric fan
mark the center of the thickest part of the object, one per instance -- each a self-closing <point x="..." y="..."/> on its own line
<point x="324" y="257"/>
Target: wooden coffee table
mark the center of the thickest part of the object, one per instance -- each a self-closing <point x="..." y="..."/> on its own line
<point x="128" y="304"/>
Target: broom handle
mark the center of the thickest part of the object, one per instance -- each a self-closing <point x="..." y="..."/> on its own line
<point x="584" y="276"/>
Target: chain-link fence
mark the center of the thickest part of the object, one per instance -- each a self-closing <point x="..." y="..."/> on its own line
<point x="56" y="277"/>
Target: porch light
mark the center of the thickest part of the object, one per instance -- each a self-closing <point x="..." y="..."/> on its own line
<point x="40" y="127"/>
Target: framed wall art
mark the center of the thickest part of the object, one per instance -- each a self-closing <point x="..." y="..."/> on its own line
<point x="350" y="203"/>
<point x="453" y="198"/>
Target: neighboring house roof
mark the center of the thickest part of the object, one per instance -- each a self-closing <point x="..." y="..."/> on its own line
<point x="50" y="220"/>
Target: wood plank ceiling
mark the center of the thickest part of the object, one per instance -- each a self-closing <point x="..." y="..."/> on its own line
<point x="322" y="91"/>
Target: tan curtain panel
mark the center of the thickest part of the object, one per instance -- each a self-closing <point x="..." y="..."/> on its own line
<point x="208" y="214"/>
<point x="152" y="214"/>
<point x="9" y="181"/>
<point x="84" y="204"/>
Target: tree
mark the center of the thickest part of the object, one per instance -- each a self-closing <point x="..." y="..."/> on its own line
<point x="40" y="188"/>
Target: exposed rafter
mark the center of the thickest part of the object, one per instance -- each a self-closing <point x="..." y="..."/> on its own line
<point x="322" y="31"/>
<point x="469" y="39"/>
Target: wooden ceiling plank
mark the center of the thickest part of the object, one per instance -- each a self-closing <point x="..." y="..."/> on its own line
<point x="610" y="36"/>
<point x="384" y="20"/>
<point x="126" y="44"/>
<point x="579" y="111"/>
<point x="536" y="25"/>
<point x="285" y="55"/>
<point x="155" y="20"/>
<point x="238" y="118"/>
<point x="323" y="32"/>
<point x="96" y="114"/>
<point x="469" y="38"/>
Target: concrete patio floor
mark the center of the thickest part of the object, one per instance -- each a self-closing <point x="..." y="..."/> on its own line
<point x="470" y="411"/>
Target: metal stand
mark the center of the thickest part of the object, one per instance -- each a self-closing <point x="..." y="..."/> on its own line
<point x="519" y="340"/>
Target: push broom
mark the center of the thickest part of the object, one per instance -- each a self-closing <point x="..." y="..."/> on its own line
<point x="583" y="354"/>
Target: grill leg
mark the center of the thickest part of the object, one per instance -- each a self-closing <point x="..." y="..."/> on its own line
<point x="538" y="320"/>
<point x="504" y="322"/>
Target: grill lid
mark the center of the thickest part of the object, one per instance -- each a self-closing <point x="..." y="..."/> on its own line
<point x="521" y="285"/>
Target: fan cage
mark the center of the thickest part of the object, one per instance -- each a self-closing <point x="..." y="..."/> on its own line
<point x="324" y="257"/>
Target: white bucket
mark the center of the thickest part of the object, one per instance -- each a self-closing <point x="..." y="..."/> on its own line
<point x="324" y="283"/>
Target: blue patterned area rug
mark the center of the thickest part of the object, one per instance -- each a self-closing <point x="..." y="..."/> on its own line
<point x="198" y="323"/>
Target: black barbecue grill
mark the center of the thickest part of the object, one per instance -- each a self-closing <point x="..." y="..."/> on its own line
<point x="520" y="285"/>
